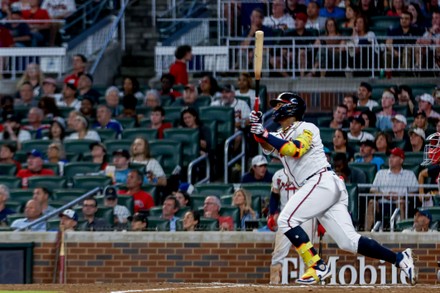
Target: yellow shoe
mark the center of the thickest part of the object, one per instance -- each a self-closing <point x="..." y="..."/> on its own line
<point x="315" y="274"/>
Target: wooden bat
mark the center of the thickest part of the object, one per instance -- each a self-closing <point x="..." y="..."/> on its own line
<point x="258" y="64"/>
<point x="62" y="259"/>
<point x="57" y="256"/>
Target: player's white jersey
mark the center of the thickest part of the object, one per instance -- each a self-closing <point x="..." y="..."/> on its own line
<point x="281" y="182"/>
<point x="298" y="170"/>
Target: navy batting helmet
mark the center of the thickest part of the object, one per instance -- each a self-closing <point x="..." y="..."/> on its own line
<point x="294" y="106"/>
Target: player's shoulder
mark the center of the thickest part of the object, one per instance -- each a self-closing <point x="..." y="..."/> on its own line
<point x="279" y="173"/>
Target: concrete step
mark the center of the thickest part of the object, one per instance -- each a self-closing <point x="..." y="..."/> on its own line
<point x="137" y="71"/>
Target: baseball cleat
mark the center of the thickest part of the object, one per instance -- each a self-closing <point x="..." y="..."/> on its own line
<point x="405" y="261"/>
<point x="315" y="274"/>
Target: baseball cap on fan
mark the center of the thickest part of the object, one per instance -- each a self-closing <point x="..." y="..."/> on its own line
<point x="259" y="160"/>
<point x="400" y="118"/>
<point x="398" y="152"/>
<point x="426" y="98"/>
<point x="71" y="214"/>
<point x="420" y="132"/>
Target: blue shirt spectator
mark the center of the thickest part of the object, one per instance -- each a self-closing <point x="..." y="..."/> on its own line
<point x="332" y="11"/>
<point x="104" y="121"/>
<point x="32" y="212"/>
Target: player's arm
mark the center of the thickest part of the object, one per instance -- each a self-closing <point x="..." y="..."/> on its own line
<point x="293" y="148"/>
<point x="274" y="202"/>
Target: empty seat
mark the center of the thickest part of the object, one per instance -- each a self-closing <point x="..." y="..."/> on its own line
<point x="78" y="146"/>
<point x="190" y="142"/>
<point x="158" y="224"/>
<point x="11" y="181"/>
<point x="115" y="144"/>
<point x="258" y="189"/>
<point x="49" y="182"/>
<point x="208" y="224"/>
<point x="217" y="189"/>
<point x="21" y="195"/>
<point x="106" y="133"/>
<point x="225" y="117"/>
<point x="8" y="169"/>
<point x="37" y="144"/>
<point x="80" y="168"/>
<point x="133" y="133"/>
<point x="168" y="153"/>
<point x="66" y="195"/>
<point x="91" y="182"/>
<point x="369" y="169"/>
<point x="127" y="122"/>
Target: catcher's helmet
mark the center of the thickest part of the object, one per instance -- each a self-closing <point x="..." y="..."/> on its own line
<point x="294" y="107"/>
<point x="432" y="150"/>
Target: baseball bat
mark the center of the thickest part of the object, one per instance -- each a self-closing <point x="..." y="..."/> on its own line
<point x="62" y="260"/>
<point x="258" y="65"/>
<point x="57" y="256"/>
<point x="320" y="246"/>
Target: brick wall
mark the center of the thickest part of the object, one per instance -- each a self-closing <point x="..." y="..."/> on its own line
<point x="194" y="257"/>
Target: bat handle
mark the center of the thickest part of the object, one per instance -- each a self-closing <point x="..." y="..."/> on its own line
<point x="257" y="96"/>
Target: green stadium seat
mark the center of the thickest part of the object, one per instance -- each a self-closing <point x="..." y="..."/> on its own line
<point x="226" y="199"/>
<point x="256" y="204"/>
<point x="435" y="213"/>
<point x="377" y="91"/>
<point x="21" y="195"/>
<point x="401" y="109"/>
<point x="65" y="111"/>
<point x="137" y="166"/>
<point x="182" y="211"/>
<point x="17" y="206"/>
<point x="11" y="181"/>
<point x="116" y="144"/>
<point x="78" y="146"/>
<point x="189" y="139"/>
<point x="156" y="211"/>
<point x="324" y="122"/>
<point x="168" y="153"/>
<point x="273" y="167"/>
<point x="158" y="224"/>
<point x="107" y="214"/>
<point x="80" y="168"/>
<point x="38" y="144"/>
<point x="197" y="201"/>
<point x="133" y="133"/>
<point x="245" y="99"/>
<point x="53" y="225"/>
<point x="50" y="182"/>
<point x="387" y="22"/>
<point x="106" y="133"/>
<point x="404" y="224"/>
<point x="67" y="194"/>
<point x="225" y="118"/>
<point x="127" y="122"/>
<point x="202" y="101"/>
<point x="208" y="224"/>
<point x="212" y="125"/>
<point x="258" y="189"/>
<point x="369" y="169"/>
<point x="8" y="169"/>
<point x="217" y="189"/>
<point x="326" y="134"/>
<point x="172" y="114"/>
<point x="414" y="157"/>
<point x="91" y="182"/>
<point x="420" y="89"/>
<point x="127" y="201"/>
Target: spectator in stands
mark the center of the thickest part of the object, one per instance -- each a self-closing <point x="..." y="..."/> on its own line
<point x="357" y="124"/>
<point x="6" y="107"/>
<point x="112" y="100"/>
<point x="129" y="104"/>
<point x="178" y="69"/>
<point x="41" y="195"/>
<point x="85" y="88"/>
<point x="142" y="199"/>
<point x="7" y="153"/>
<point x="104" y="120"/>
<point x="418" y="18"/>
<point x="49" y="89"/>
<point x="394" y="183"/>
<point x="4" y="211"/>
<point x="140" y="153"/>
<point x="364" y="96"/>
<point x="68" y="220"/>
<point x="49" y="107"/>
<point x="430" y="37"/>
<point x="88" y="108"/>
<point x="139" y="222"/>
<point x="417" y="140"/>
<point x="92" y="223"/>
<point x="167" y="81"/>
<point x="26" y="96"/>
<point x="209" y="87"/>
<point x="121" y="213"/>
<point x="55" y="154"/>
<point x="40" y="30"/>
<point x="366" y="151"/>
<point x="99" y="154"/>
<point x="422" y="222"/>
<point x="188" y="99"/>
<point x="12" y="131"/>
<point x="191" y="221"/>
<point x="71" y="119"/>
<point x="426" y="102"/>
<point x="431" y="6"/>
<point x="32" y="212"/>
<point x="183" y="197"/>
<point x="20" y="31"/>
<point x="244" y="87"/>
<point x="350" y="100"/>
<point x="35" y="76"/>
<point x="369" y="117"/>
<point x="351" y="13"/>
<point x="242" y="199"/>
<point x="69" y="98"/>
<point x="169" y="209"/>
<point x="60" y="11"/>
<point x="258" y="172"/>
<point x="211" y="209"/>
<point x="420" y="121"/>
<point x="339" y="117"/>
<point x="314" y="20"/>
<point x="189" y="118"/>
<point x="294" y="7"/>
<point x="331" y="10"/>
<point x="34" y="167"/>
<point x="369" y="9"/>
<point x="130" y="86"/>
<point x="399" y="130"/>
<point x="152" y="99"/>
<point x="6" y="39"/>
<point x="82" y="130"/>
<point x="57" y="131"/>
<point x="79" y="64"/>
<point x="384" y="117"/>
<point x="397" y="8"/>
<point x="278" y="19"/>
<point x="340" y="144"/>
<point x="428" y="175"/>
<point x="157" y="118"/>
<point x="405" y="97"/>
<point x="35" y="120"/>
<point x="349" y="174"/>
<point x="383" y="142"/>
<point x="121" y="159"/>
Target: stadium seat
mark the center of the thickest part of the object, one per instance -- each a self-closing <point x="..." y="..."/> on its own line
<point x="158" y="224"/>
<point x="413" y="157"/>
<point x="67" y="194"/>
<point x="137" y="166"/>
<point x="116" y="144"/>
<point x="197" y="201"/>
<point x="143" y="110"/>
<point x="166" y="100"/>
<point x="106" y="133"/>
<point x="226" y="199"/>
<point x="326" y="134"/>
<point x="189" y="138"/>
<point x="53" y="224"/>
<point x="273" y="167"/>
<point x="369" y="169"/>
<point x="127" y="122"/>
<point x="11" y="181"/>
<point x="258" y="189"/>
<point x="156" y="211"/>
<point x="387" y="22"/>
<point x="225" y="118"/>
<point x="217" y="189"/>
<point x="168" y="153"/>
<point x="49" y="182"/>
<point x="133" y="133"/>
<point x="208" y="224"/>
<point x="203" y="101"/>
<point x="80" y="168"/>
<point x="8" y="169"/>
<point x="401" y="109"/>
<point x="420" y="89"/>
<point x="435" y="213"/>
<point x="245" y="99"/>
<point x="65" y="111"/>
<point x="172" y="114"/>
<point x="21" y="195"/>
<point x="38" y="144"/>
<point x="127" y="201"/>
<point x="16" y="206"/>
<point x="353" y="202"/>
<point x="233" y="212"/>
<point x="256" y="204"/>
<point x="404" y="224"/>
<point x="377" y="91"/>
<point x="324" y="122"/>
<point x="107" y="214"/>
<point x="182" y="211"/>
<point x="78" y="146"/>
<point x="11" y="218"/>
<point x="91" y="182"/>
<point x="212" y="125"/>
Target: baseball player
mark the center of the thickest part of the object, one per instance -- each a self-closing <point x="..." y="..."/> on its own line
<point x="321" y="194"/>
<point x="282" y="190"/>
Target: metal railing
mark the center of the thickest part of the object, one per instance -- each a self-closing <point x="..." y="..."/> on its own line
<point x="229" y="162"/>
<point x="194" y="163"/>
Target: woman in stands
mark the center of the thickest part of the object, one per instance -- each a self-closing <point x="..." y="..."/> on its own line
<point x="208" y="86"/>
<point x="191" y="221"/>
<point x="361" y="40"/>
<point x="35" y="76"/>
<point x="81" y="128"/>
<point x="418" y="19"/>
<point x="383" y="142"/>
<point x="420" y="121"/>
<point x="405" y="97"/>
<point x="130" y="86"/>
<point x="351" y="12"/>
<point x="55" y="154"/>
<point x="244" y="85"/>
<point x="340" y="144"/>
<point x="57" y="131"/>
<point x="370" y="118"/>
<point x="140" y="153"/>
<point x="396" y="8"/>
<point x="242" y="200"/>
<point x="189" y="118"/>
<point x="49" y="107"/>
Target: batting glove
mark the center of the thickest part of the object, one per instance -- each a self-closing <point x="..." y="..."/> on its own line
<point x="255" y="117"/>
<point x="257" y="129"/>
<point x="321" y="230"/>
<point x="272" y="223"/>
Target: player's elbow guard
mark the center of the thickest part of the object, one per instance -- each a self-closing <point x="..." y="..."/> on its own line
<point x="298" y="147"/>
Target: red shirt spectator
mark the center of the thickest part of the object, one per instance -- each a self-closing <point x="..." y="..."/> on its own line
<point x="6" y="39"/>
<point x="35" y="168"/>
<point x="79" y="63"/>
<point x="142" y="199"/>
<point x="157" y="117"/>
<point x="178" y="69"/>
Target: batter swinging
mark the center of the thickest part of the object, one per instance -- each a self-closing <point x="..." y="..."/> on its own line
<point x="321" y="193"/>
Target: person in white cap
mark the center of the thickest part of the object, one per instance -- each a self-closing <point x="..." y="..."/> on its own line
<point x="258" y="172"/>
<point x="417" y="140"/>
<point x="426" y="101"/>
<point x="68" y="220"/>
<point x="399" y="130"/>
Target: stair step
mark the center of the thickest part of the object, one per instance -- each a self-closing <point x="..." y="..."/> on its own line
<point x="137" y="71"/>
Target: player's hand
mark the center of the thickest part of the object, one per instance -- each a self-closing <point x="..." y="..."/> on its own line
<point x="255" y="117"/>
<point x="257" y="129"/>
<point x="272" y="222"/>
<point x="321" y="230"/>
